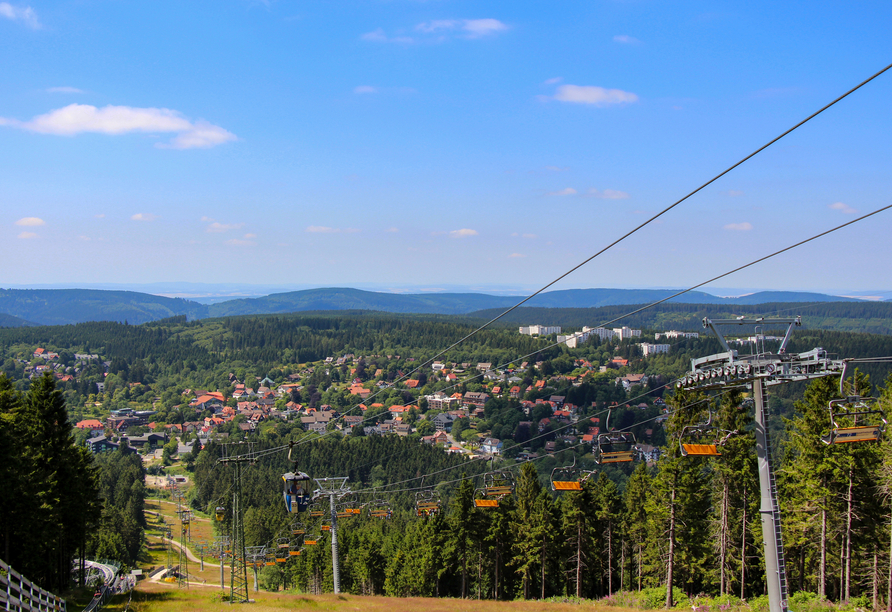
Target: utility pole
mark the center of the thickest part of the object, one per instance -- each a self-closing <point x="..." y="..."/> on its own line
<point x="758" y="371"/>
<point x="334" y="488"/>
<point x="238" y="454"/>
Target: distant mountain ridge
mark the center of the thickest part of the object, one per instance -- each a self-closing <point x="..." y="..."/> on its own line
<point x="64" y="306"/>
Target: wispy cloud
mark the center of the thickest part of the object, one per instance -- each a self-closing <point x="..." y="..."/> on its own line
<point x="843" y="208"/>
<point x="246" y="240"/>
<point x="625" y="39"/>
<point x="218" y="228"/>
<point x="556" y="169"/>
<point x="608" y="194"/>
<point x="733" y="193"/>
<point x="143" y="217"/>
<point x="27" y="235"/>
<point x="483" y="27"/>
<point x="739" y="227"/>
<point x="515" y="255"/>
<point x="596" y="96"/>
<point x="566" y="191"/>
<point x="392" y="230"/>
<point x="65" y="90"/>
<point x="463" y="233"/>
<point x="30" y="222"/>
<point x="321" y="229"/>
<point x="25" y="14"/>
<point x="116" y="120"/>
<point x="380" y="37"/>
<point x="439" y="30"/>
<point x="554" y="81"/>
<point x="365" y="89"/>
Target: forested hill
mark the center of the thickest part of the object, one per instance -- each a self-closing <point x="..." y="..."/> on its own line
<point x="463" y="303"/>
<point x="64" y="306"/>
<point x="867" y="317"/>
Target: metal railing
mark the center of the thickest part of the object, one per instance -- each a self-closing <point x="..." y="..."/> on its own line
<point x="20" y="594"/>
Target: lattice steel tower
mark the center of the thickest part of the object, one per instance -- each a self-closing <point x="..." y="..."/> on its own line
<point x="238" y="453"/>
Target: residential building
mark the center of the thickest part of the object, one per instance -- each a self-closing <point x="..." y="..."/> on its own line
<point x="648" y="349"/>
<point x="540" y="330"/>
<point x="672" y="335"/>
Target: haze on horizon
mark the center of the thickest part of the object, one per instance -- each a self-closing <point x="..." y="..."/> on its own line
<point x="400" y="144"/>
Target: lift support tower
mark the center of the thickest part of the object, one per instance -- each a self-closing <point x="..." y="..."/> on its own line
<point x="759" y="371"/>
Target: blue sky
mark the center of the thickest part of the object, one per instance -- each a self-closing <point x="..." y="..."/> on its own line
<point x="395" y="143"/>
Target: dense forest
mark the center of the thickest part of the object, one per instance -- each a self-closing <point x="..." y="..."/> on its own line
<point x="697" y="516"/>
<point x="613" y="534"/>
<point x="58" y="501"/>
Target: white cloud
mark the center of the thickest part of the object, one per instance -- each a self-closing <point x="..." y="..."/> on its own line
<point x="626" y="39"/>
<point x="27" y="235"/>
<point x="563" y="192"/>
<point x="365" y="89"/>
<point x="143" y="217"/>
<point x="437" y="25"/>
<point x="739" y="227"/>
<point x="322" y="229"/>
<point x="439" y="30"/>
<point x="100" y="216"/>
<point x="530" y="236"/>
<point x="116" y="120"/>
<point x="30" y="222"/>
<point x="483" y="27"/>
<point x="68" y="90"/>
<point x="554" y="81"/>
<point x="463" y="233"/>
<point x="843" y="208"/>
<point x="379" y="36"/>
<point x="597" y="96"/>
<point x="512" y="255"/>
<point x="375" y="36"/>
<point x="608" y="194"/>
<point x="216" y="227"/>
<point x="250" y="236"/>
<point x="25" y="14"/>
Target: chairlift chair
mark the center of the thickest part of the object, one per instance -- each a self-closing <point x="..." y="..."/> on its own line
<point x="342" y="511"/>
<point x="703" y="439"/>
<point x="283" y="543"/>
<point x="496" y="485"/>
<point x="298" y="528"/>
<point x="855" y="419"/>
<point x="568" y="478"/>
<point x="269" y="558"/>
<point x="282" y="554"/>
<point x="315" y="510"/>
<point x="427" y="502"/>
<point x="616" y="447"/>
<point x="312" y="539"/>
<point x="380" y="509"/>
<point x="296" y="549"/>
<point x="220" y="513"/>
